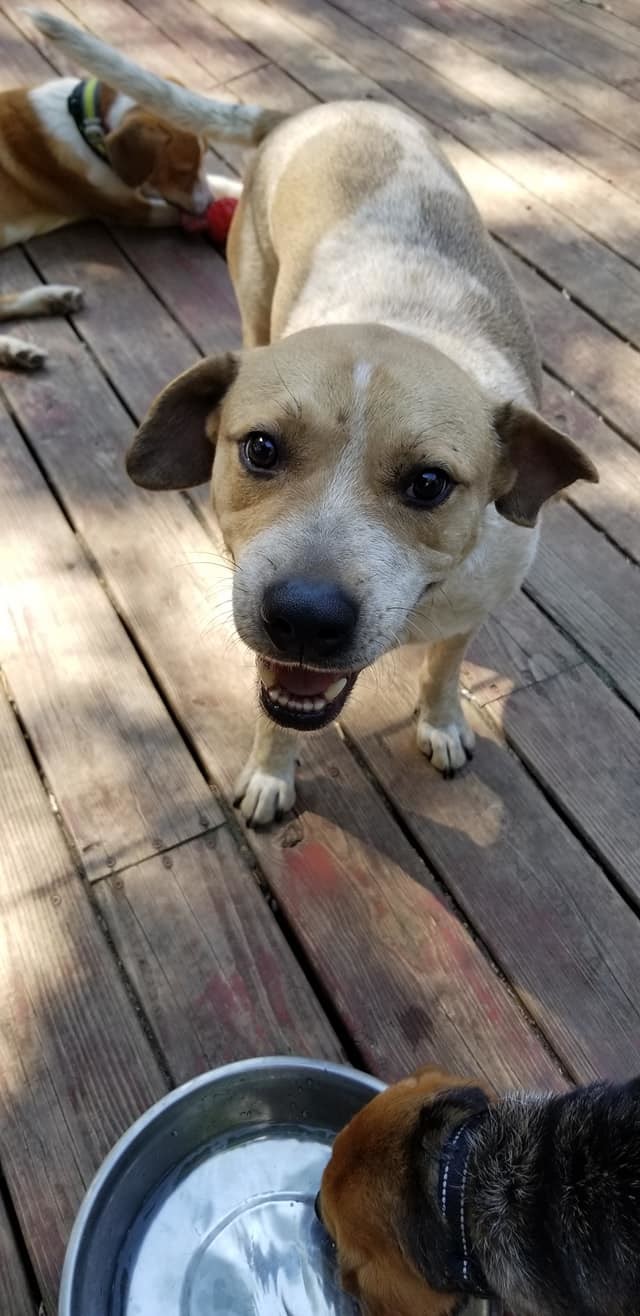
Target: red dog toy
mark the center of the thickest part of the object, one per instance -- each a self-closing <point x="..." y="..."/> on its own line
<point x="215" y="222"/>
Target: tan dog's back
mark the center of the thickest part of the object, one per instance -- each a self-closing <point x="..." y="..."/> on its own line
<point x="368" y="222"/>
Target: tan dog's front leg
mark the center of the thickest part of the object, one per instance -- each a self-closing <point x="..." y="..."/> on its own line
<point x="443" y="733"/>
<point x="266" y="787"/>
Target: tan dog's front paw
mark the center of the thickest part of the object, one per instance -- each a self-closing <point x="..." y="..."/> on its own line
<point x="262" y="796"/>
<point x="448" y="747"/>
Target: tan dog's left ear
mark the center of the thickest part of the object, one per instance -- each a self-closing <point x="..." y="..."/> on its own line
<point x="133" y="150"/>
<point x="538" y="461"/>
<point x="174" y="447"/>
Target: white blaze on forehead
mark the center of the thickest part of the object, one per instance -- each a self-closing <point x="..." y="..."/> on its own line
<point x="362" y="372"/>
<point x="344" y="477"/>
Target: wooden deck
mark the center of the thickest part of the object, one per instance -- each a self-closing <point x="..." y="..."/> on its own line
<point x="490" y="923"/>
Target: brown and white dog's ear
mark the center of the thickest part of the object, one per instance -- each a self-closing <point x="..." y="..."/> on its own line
<point x="174" y="446"/>
<point x="537" y="461"/>
<point x="133" y="149"/>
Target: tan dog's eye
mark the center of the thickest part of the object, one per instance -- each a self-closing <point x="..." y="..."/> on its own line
<point x="428" y="487"/>
<point x="259" y="452"/>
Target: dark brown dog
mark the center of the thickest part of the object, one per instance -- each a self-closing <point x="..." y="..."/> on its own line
<point x="435" y="1191"/>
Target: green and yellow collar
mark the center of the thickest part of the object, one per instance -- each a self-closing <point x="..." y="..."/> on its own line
<point x="84" y="107"/>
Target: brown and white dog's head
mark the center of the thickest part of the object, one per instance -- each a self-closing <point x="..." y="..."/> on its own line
<point x="151" y="154"/>
<point x="366" y="1201"/>
<point x="352" y="467"/>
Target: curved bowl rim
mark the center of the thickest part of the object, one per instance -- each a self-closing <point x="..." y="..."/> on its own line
<point x="159" y="1107"/>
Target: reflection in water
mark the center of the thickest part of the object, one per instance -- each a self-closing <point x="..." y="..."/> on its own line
<point x="271" y="1259"/>
<point x="233" y="1232"/>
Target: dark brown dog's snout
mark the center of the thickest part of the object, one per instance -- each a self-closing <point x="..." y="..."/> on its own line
<point x="309" y="619"/>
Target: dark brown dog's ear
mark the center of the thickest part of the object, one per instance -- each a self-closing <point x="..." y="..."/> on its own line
<point x="464" y="1100"/>
<point x="133" y="150"/>
<point x="537" y="462"/>
<point x="174" y="448"/>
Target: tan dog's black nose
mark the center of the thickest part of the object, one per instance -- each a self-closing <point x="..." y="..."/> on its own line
<point x="308" y="620"/>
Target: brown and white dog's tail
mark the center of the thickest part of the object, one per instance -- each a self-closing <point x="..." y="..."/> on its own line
<point x="212" y="119"/>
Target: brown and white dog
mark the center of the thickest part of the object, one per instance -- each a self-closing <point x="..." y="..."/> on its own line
<point x="436" y="1191"/>
<point x="78" y="149"/>
<point x="72" y="150"/>
<point x="377" y="461"/>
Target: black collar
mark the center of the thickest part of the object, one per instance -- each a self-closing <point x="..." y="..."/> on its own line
<point x="84" y="107"/>
<point x="464" y="1269"/>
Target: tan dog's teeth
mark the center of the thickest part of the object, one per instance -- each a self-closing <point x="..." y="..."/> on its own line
<point x="335" y="689"/>
<point x="319" y="704"/>
<point x="267" y="675"/>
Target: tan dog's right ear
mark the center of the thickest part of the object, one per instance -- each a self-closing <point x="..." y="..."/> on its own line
<point x="174" y="447"/>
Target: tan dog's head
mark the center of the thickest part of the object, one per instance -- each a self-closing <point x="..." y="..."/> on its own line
<point x="365" y="1201"/>
<point x="352" y="470"/>
<point x="164" y="161"/>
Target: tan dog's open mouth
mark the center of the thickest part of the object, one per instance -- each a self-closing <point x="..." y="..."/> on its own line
<point x="303" y="698"/>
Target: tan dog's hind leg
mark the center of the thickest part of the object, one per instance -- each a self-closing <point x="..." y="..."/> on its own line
<point x="443" y="733"/>
<point x="266" y="787"/>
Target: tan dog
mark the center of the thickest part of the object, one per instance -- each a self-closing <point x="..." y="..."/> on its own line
<point x="378" y="465"/>
<point x="436" y="1191"/>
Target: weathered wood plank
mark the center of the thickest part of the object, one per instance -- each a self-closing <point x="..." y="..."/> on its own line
<point x="623" y="12"/>
<point x="120" y="24"/>
<point x="597" y="52"/>
<point x="583" y="742"/>
<point x="21" y="63"/>
<point x="16" y="1298"/>
<point x="592" y="592"/>
<point x="434" y="44"/>
<point x="595" y="99"/>
<point x="315" y="66"/>
<point x="120" y="310"/>
<point x="214" y="46"/>
<point x="517" y="648"/>
<point x="214" y="973"/>
<point x="75" y="1066"/>
<point x="570" y="188"/>
<point x="415" y="950"/>
<point x="192" y="281"/>
<point x="124" y="782"/>
<point x="614" y="503"/>
<point x="564" y="937"/>
<point x="584" y="353"/>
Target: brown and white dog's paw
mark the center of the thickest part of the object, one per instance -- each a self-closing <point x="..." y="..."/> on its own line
<point x="447" y="746"/>
<point x="17" y="354"/>
<point x="62" y="299"/>
<point x="263" y="796"/>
